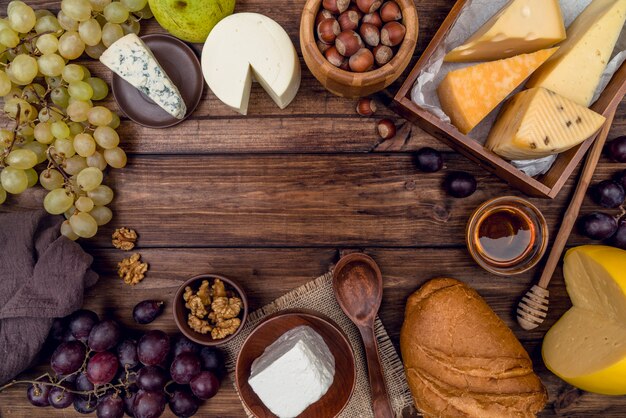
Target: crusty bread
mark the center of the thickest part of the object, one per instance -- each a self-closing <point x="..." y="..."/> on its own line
<point x="461" y="360"/>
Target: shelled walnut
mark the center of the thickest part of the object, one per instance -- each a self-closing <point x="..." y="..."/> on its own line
<point x="124" y="239"/>
<point x="132" y="270"/>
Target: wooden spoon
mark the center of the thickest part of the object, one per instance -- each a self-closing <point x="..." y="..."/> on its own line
<point x="358" y="286"/>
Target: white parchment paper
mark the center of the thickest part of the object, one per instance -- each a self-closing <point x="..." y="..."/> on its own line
<point x="472" y="17"/>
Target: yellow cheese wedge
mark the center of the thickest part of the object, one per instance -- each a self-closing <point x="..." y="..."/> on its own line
<point x="587" y="346"/>
<point x="574" y="71"/>
<point x="536" y="123"/>
<point x="468" y="95"/>
<point x="520" y="27"/>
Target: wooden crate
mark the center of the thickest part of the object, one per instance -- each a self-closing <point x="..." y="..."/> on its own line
<point x="547" y="185"/>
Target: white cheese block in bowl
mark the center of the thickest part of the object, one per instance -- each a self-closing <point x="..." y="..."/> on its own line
<point x="244" y="45"/>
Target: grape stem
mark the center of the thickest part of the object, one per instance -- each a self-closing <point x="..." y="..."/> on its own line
<point x="8" y="149"/>
<point x="28" y="39"/>
<point x="52" y="154"/>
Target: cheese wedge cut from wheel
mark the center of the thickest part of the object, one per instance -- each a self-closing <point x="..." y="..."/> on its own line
<point x="587" y="346"/>
<point x="468" y="95"/>
<point x="246" y="45"/>
<point x="575" y="70"/>
<point x="520" y="27"/>
<point x="536" y="123"/>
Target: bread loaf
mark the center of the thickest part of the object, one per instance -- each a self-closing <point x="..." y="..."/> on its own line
<point x="461" y="360"/>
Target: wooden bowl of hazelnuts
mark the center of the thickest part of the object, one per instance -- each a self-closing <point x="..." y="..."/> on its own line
<point x="358" y="47"/>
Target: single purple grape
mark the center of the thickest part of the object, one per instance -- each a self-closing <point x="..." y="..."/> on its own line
<point x="183" y="404"/>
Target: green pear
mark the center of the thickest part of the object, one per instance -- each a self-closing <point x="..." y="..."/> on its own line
<point x="190" y="20"/>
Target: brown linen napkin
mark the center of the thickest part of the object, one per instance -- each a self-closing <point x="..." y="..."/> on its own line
<point x="42" y="276"/>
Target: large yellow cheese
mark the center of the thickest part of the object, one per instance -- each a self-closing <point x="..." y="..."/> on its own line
<point x="520" y="27"/>
<point x="587" y="346"/>
<point x="469" y="94"/>
<point x="536" y="123"/>
<point x="575" y="70"/>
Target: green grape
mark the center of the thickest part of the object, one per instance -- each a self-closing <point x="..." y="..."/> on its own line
<point x="111" y="32"/>
<point x="51" y="64"/>
<point x="70" y="45"/>
<point x="102" y="215"/>
<point x="99" y="5"/>
<point x="95" y="51"/>
<point x="67" y="231"/>
<point x="73" y="72"/>
<point x="58" y="201"/>
<point x="21" y="17"/>
<point x="76" y="128"/>
<point x="47" y="44"/>
<point x="74" y="165"/>
<point x="6" y="137"/>
<point x="26" y="133"/>
<point x="115" y="12"/>
<point x="13" y="180"/>
<point x="27" y="112"/>
<point x="5" y="83"/>
<point x="84" y="225"/>
<point x="78" y="110"/>
<point x="54" y="82"/>
<point x="97" y="160"/>
<point x="99" y="87"/>
<point x="68" y="213"/>
<point x="32" y="176"/>
<point x="34" y="93"/>
<point x="80" y="90"/>
<point x="66" y="22"/>
<point x="106" y="137"/>
<point x="64" y="147"/>
<point x="60" y="129"/>
<point x="4" y="24"/>
<point x="22" y="159"/>
<point x="43" y="12"/>
<point x="39" y="149"/>
<point x="79" y="10"/>
<point x="51" y="179"/>
<point x="3" y="195"/>
<point x="86" y="73"/>
<point x="145" y="13"/>
<point x="84" y="204"/>
<point x="100" y="116"/>
<point x="84" y="145"/>
<point x="134" y="5"/>
<point x="24" y="68"/>
<point x="60" y="97"/>
<point x="50" y="114"/>
<point x="115" y="123"/>
<point x="89" y="178"/>
<point x="131" y="26"/>
<point x="48" y="23"/>
<point x="101" y="195"/>
<point x="9" y="38"/>
<point x="15" y="93"/>
<point x="115" y="157"/>
<point x="90" y="32"/>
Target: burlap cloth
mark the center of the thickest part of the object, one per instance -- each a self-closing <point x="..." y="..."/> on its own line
<point x="318" y="295"/>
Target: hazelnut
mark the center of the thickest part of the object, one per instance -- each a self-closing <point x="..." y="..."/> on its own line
<point x="336" y="6"/>
<point x="327" y="30"/>
<point x="334" y="57"/>
<point x="386" y="128"/>
<point x="382" y="54"/>
<point x="368" y="6"/>
<point x="353" y="7"/>
<point x="366" y="106"/>
<point x="348" y="20"/>
<point x="322" y="46"/>
<point x="361" y="61"/>
<point x="323" y="14"/>
<point x="392" y="33"/>
<point x="390" y="11"/>
<point x="348" y="42"/>
<point x="374" y="19"/>
<point x="370" y="34"/>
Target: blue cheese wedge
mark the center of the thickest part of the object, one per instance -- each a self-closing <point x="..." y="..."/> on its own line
<point x="132" y="60"/>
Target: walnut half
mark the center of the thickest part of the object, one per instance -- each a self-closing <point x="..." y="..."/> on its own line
<point x="124" y="239"/>
<point x="131" y="269"/>
<point x="225" y="328"/>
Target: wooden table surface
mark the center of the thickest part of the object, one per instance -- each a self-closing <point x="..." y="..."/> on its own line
<point x="274" y="197"/>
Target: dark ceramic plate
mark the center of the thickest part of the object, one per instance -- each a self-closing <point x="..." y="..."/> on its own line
<point x="182" y="66"/>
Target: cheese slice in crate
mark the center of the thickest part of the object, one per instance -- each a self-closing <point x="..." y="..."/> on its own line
<point x="520" y="27"/>
<point x="468" y="95"/>
<point x="536" y="123"/>
<point x="575" y="70"/>
<point x="244" y="45"/>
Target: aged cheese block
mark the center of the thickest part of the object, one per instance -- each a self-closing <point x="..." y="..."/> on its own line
<point x="587" y="346"/>
<point x="574" y="71"/>
<point x="520" y="27"/>
<point x="468" y="95"/>
<point x="244" y="45"/>
<point x="536" y="123"/>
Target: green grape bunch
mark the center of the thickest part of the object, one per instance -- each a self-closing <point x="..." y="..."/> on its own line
<point x="57" y="136"/>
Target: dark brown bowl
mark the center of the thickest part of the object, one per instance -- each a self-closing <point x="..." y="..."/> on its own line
<point x="181" y="313"/>
<point x="339" y="393"/>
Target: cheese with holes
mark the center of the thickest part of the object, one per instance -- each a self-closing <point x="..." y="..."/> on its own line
<point x="587" y="346"/>
<point x="575" y="70"/>
<point x="536" y="123"/>
<point x="246" y="45"/>
<point x="520" y="27"/>
<point x="468" y="95"/>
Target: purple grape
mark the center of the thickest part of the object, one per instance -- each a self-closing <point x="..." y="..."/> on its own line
<point x="183" y="404"/>
<point x="211" y="359"/>
<point x="204" y="385"/>
<point x="127" y="354"/>
<point x="85" y="404"/>
<point x="184" y="367"/>
<point x="149" y="404"/>
<point x="67" y="378"/>
<point x="68" y="357"/>
<point x="183" y="344"/>
<point x="83" y="384"/>
<point x="110" y="406"/>
<point x="460" y="184"/>
<point x="81" y="322"/>
<point x="101" y="368"/>
<point x="129" y="400"/>
<point x="619" y="239"/>
<point x="153" y="347"/>
<point x="617" y="149"/>
<point x="598" y="226"/>
<point x="60" y="398"/>
<point x="608" y="194"/>
<point x="151" y="378"/>
<point x="104" y="336"/>
<point x="58" y="331"/>
<point x="429" y="160"/>
<point x="37" y="394"/>
<point x="147" y="311"/>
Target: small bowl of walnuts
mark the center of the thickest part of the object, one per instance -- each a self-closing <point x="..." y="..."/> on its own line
<point x="210" y="309"/>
